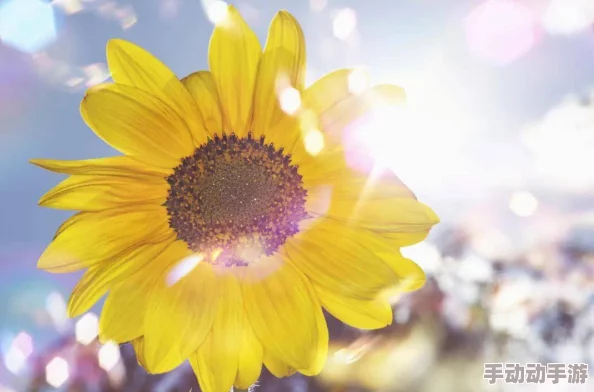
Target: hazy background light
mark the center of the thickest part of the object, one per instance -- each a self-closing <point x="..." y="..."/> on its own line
<point x="501" y="31"/>
<point x="567" y="17"/>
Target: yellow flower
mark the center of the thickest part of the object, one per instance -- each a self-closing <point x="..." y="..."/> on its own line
<point x="217" y="235"/>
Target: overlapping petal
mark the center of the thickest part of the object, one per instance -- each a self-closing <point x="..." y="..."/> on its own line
<point x="282" y="67"/>
<point x="273" y="303"/>
<point x="233" y="57"/>
<point x="137" y="124"/>
<point x="100" y="192"/>
<point x="216" y="361"/>
<point x="98" y="279"/>
<point x="122" y="166"/>
<point x="179" y="317"/>
<point x="132" y="65"/>
<point x="203" y="90"/>
<point x="91" y="238"/>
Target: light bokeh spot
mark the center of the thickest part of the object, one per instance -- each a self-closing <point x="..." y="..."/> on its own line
<point x="523" y="203"/>
<point x="87" y="328"/>
<point x="344" y="23"/>
<point x="314" y="141"/>
<point x="290" y="100"/>
<point x="358" y="81"/>
<point x="109" y="355"/>
<point x="27" y="25"/>
<point x="57" y="372"/>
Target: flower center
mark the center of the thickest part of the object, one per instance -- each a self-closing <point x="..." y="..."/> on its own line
<point x="235" y="199"/>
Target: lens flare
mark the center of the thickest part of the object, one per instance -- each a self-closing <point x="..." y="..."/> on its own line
<point x="183" y="268"/>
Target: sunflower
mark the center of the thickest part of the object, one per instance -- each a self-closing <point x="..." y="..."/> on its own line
<point x="231" y="218"/>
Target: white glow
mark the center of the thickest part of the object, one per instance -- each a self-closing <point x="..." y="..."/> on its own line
<point x="568" y="17"/>
<point x="523" y="203"/>
<point x="217" y="11"/>
<point x="475" y="269"/>
<point x="14" y="360"/>
<point x="183" y="268"/>
<point x="56" y="308"/>
<point x="432" y="126"/>
<point x="314" y="142"/>
<point x="347" y="355"/>
<point x="290" y="100"/>
<point x="358" y="81"/>
<point x="95" y="73"/>
<point x="426" y="255"/>
<point x="318" y="5"/>
<point x="109" y="355"/>
<point x="56" y="372"/>
<point x="344" y="23"/>
<point x="87" y="328"/>
<point x="68" y="6"/>
<point x="562" y="144"/>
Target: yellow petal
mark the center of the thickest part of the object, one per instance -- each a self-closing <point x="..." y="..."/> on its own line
<point x="250" y="357"/>
<point x="277" y="367"/>
<point x="96" y="193"/>
<point x="358" y="313"/>
<point x="139" y="348"/>
<point x="91" y="238"/>
<point x="282" y="66"/>
<point x="233" y="58"/>
<point x="137" y="124"/>
<point x="282" y="310"/>
<point x="138" y="345"/>
<point x="327" y="91"/>
<point x="179" y="317"/>
<point x="349" y="184"/>
<point x="216" y="361"/>
<point x="117" y="166"/>
<point x="122" y="316"/>
<point x="412" y="277"/>
<point x="133" y="66"/>
<point x="321" y="354"/>
<point x="381" y="215"/>
<point x="402" y="239"/>
<point x="203" y="90"/>
<point x="98" y="279"/>
<point x="338" y="257"/>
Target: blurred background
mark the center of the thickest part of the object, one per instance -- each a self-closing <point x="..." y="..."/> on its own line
<point x="497" y="136"/>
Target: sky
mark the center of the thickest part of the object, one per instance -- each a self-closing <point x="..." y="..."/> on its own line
<point x="477" y="75"/>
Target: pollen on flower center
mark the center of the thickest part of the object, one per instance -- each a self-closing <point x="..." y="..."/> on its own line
<point x="235" y="195"/>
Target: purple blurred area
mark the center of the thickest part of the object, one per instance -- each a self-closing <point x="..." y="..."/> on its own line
<point x="498" y="137"/>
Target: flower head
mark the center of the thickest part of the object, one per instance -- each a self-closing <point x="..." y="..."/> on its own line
<point x="232" y="217"/>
